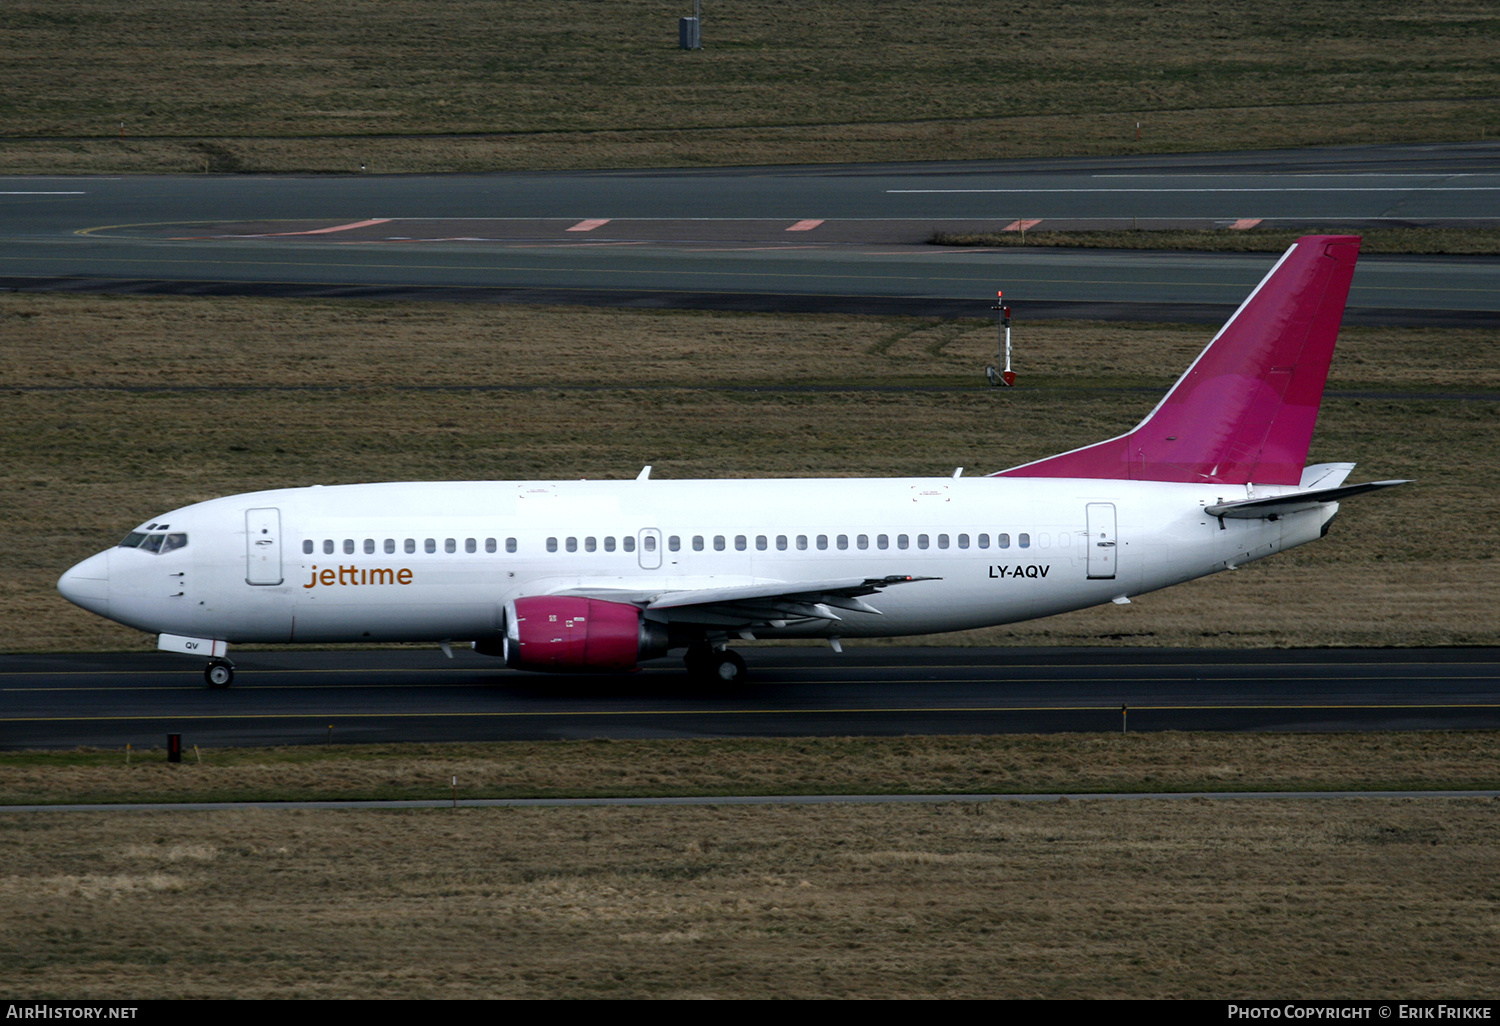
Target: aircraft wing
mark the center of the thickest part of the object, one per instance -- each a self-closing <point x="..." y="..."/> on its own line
<point x="764" y="603"/>
<point x="1281" y="505"/>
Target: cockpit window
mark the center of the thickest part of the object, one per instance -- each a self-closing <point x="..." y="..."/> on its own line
<point x="157" y="543"/>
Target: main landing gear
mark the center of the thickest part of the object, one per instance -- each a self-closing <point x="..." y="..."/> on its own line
<point x="718" y="666"/>
<point x="219" y="674"/>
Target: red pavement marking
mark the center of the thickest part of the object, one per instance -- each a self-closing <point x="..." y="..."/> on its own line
<point x="1245" y="222"/>
<point x="589" y="224"/>
<point x="1021" y="226"/>
<point x="805" y="226"/>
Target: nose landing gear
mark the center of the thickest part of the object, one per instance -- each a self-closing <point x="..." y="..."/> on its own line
<point x="219" y="673"/>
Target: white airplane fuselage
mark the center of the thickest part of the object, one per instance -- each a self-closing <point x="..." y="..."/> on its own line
<point x="599" y="575"/>
<point x="312" y="564"/>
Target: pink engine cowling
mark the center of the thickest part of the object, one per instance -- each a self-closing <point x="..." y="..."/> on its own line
<point x="568" y="634"/>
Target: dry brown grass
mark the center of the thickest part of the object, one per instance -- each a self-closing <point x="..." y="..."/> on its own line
<point x="1358" y="899"/>
<point x="1010" y="764"/>
<point x="122" y="407"/>
<point x="407" y="85"/>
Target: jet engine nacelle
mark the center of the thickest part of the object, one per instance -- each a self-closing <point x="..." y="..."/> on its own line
<point x="568" y="635"/>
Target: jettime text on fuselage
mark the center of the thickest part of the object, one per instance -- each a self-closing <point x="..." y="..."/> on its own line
<point x="346" y="576"/>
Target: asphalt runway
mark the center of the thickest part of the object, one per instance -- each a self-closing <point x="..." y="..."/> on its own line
<point x="108" y="701"/>
<point x="840" y="238"/>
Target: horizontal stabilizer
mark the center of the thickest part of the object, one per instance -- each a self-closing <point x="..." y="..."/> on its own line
<point x="1296" y="502"/>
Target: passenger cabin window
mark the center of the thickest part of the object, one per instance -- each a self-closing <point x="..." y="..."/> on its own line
<point x="863" y="541"/>
<point x="470" y="545"/>
<point x="781" y="543"/>
<point x="328" y="546"/>
<point x="307" y="546"/>
<point x="390" y="545"/>
<point x="348" y="546"/>
<point x="429" y="545"/>
<point x="510" y="545"/>
<point x="718" y="543"/>
<point x="1002" y="541"/>
<point x="697" y="543"/>
<point x="450" y="545"/>
<point x="739" y="543"/>
<point x="628" y="542"/>
<point x="411" y="545"/>
<point x="571" y="544"/>
<point x="921" y="541"/>
<point x="674" y="543"/>
<point x="370" y="545"/>
<point x="1023" y="541"/>
<point x="609" y="543"/>
<point x="590" y="544"/>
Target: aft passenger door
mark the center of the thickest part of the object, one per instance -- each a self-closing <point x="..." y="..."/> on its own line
<point x="1101" y="543"/>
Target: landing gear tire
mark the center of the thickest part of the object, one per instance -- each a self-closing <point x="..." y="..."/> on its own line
<point x="722" y="667"/>
<point x="219" y="674"/>
<point x="726" y="667"/>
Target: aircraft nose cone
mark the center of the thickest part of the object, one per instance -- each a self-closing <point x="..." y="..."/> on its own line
<point x="87" y="584"/>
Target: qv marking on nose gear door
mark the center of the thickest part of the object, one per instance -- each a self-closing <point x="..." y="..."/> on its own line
<point x="263" y="546"/>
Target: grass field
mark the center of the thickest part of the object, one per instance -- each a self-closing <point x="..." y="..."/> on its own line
<point x="1359" y="899"/>
<point x="1353" y="898"/>
<point x="405" y="85"/>
<point x="1004" y="764"/>
<point x="1349" y="898"/>
<point x="121" y="408"/>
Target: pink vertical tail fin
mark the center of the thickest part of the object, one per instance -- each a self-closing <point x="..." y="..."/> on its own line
<point x="1245" y="410"/>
